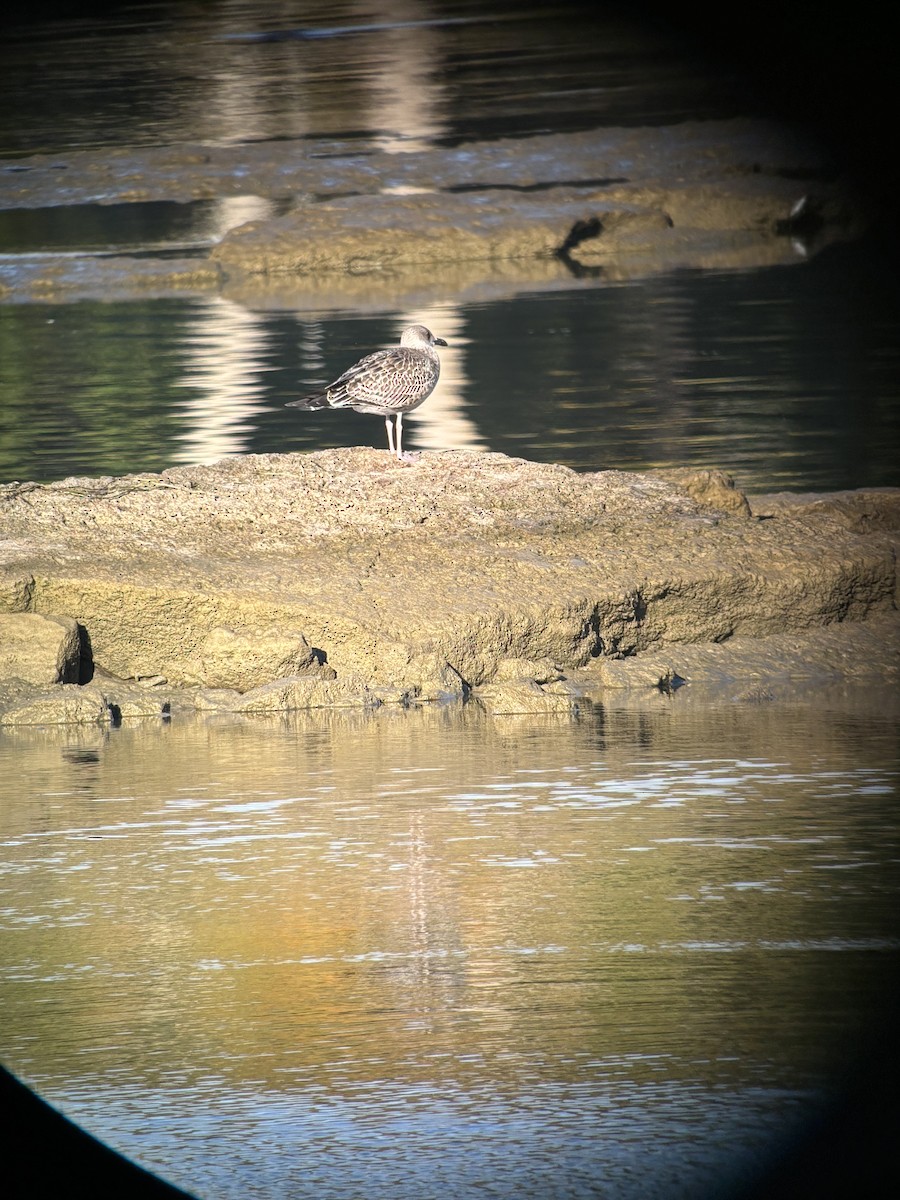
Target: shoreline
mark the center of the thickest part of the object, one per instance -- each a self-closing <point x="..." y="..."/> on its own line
<point x="281" y="227"/>
<point x="271" y="583"/>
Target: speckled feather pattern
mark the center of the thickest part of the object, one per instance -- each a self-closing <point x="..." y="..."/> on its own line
<point x="394" y="380"/>
<point x="388" y="381"/>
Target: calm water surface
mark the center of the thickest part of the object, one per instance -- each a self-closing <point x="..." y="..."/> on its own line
<point x="389" y="73"/>
<point x="789" y="377"/>
<point x="409" y="952"/>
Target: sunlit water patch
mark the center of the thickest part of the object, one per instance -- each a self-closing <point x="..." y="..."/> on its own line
<point x="622" y="955"/>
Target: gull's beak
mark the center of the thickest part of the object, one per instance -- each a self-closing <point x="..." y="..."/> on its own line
<point x="439" y="342"/>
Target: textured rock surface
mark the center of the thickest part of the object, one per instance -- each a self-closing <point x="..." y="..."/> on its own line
<point x="39" y="649"/>
<point x="249" y="658"/>
<point x="352" y="579"/>
<point x="66" y="704"/>
<point x="514" y="212"/>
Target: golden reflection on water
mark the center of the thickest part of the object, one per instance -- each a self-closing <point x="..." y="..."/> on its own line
<point x="352" y="902"/>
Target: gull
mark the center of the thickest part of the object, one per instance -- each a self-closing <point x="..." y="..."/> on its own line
<point x="389" y="382"/>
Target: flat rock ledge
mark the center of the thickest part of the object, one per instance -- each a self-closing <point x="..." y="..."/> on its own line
<point x="264" y="584"/>
<point x="501" y="215"/>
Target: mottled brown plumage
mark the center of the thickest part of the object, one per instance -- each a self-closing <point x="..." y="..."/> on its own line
<point x="388" y="382"/>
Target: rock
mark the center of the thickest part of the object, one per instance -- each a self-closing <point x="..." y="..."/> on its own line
<point x="246" y="659"/>
<point x="16" y="589"/>
<point x="524" y="697"/>
<point x="39" y="649"/>
<point x="206" y="700"/>
<point x="305" y="691"/>
<point x="714" y="489"/>
<point x="841" y="651"/>
<point x="128" y="700"/>
<point x="518" y="669"/>
<point x="641" y="671"/>
<point x="359" y="581"/>
<point x="627" y="202"/>
<point x="65" y="704"/>
<point x="366" y="234"/>
<point x="860" y="511"/>
<point x="437" y="680"/>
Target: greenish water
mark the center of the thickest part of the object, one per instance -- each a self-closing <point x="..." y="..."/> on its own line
<point x="788" y="377"/>
<point x="398" y="953"/>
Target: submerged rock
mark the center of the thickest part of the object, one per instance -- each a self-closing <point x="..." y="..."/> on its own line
<point x="511" y="212"/>
<point x="270" y="582"/>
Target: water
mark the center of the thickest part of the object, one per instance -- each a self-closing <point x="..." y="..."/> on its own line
<point x="788" y="377"/>
<point x="158" y="73"/>
<point x="153" y="227"/>
<point x="416" y="951"/>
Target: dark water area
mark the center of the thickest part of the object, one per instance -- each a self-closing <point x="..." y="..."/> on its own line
<point x="788" y="377"/>
<point x="84" y="229"/>
<point x="142" y="74"/>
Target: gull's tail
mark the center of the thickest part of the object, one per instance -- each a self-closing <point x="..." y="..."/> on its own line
<point x="316" y="400"/>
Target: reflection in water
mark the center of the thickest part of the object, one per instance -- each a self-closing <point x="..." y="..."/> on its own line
<point x="407" y="92"/>
<point x="228" y="346"/>
<point x="168" y="74"/>
<point x="157" y="226"/>
<point x="444" y="422"/>
<point x="789" y="378"/>
<point x="351" y="953"/>
<point x="231" y="211"/>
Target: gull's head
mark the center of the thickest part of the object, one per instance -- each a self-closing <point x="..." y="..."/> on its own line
<point x="417" y="337"/>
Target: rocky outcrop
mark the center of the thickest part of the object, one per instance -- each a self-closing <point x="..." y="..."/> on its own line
<point x="269" y="582"/>
<point x="39" y="649"/>
<point x="503" y="214"/>
<point x="28" y="704"/>
<point x="248" y="658"/>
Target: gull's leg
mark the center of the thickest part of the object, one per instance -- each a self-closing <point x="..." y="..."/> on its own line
<point x="389" y="426"/>
<point x="400" y="436"/>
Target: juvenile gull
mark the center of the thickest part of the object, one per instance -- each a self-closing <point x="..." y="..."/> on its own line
<point x="388" y="382"/>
